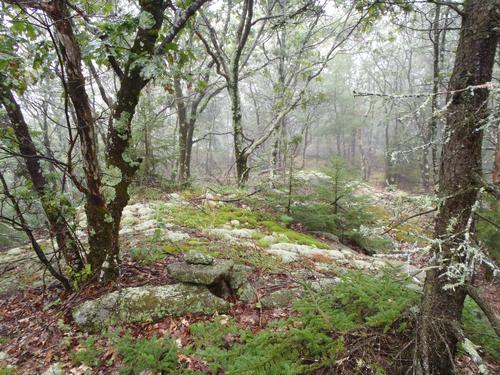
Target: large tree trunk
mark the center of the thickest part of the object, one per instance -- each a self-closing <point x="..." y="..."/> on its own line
<point x="120" y="129"/>
<point x="51" y="204"/>
<point x="459" y="183"/>
<point x="100" y="225"/>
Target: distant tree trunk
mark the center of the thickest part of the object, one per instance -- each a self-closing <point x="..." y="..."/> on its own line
<point x="241" y="157"/>
<point x="431" y="131"/>
<point x="317" y="150"/>
<point x="51" y="204"/>
<point x="459" y="183"/>
<point x="389" y="178"/>
<point x="365" y="168"/>
<point x="46" y="139"/>
<point x="304" y="146"/>
<point x="496" y="164"/>
<point x="353" y="146"/>
<point x="148" y="154"/>
<point x="184" y="130"/>
<point x="344" y="147"/>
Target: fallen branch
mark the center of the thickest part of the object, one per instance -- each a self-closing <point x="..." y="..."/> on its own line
<point x="483" y="304"/>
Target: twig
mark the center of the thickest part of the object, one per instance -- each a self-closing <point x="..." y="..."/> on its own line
<point x="393" y="226"/>
<point x="487" y="220"/>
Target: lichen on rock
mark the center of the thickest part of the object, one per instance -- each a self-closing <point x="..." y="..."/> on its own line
<point x="196" y="257"/>
<point x="146" y="304"/>
<point x="200" y="273"/>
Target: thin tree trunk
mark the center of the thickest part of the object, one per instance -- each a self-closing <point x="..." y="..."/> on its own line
<point x="496" y="164"/>
<point x="183" y="175"/>
<point x="364" y="157"/>
<point x="51" y="204"/>
<point x="353" y="146"/>
<point x="304" y="146"/>
<point x="389" y="178"/>
<point x="459" y="184"/>
<point x="238" y="137"/>
<point x="29" y="233"/>
<point x="431" y="132"/>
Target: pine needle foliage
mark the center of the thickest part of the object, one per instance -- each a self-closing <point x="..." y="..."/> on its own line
<point x="311" y="339"/>
<point x="154" y="354"/>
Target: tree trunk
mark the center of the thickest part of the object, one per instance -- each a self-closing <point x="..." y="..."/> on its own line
<point x="238" y="136"/>
<point x="120" y="130"/>
<point x="183" y="173"/>
<point x="101" y="239"/>
<point x="364" y="157"/>
<point x="459" y="184"/>
<point x="389" y="178"/>
<point x="496" y="164"/>
<point x="352" y="155"/>
<point x="51" y="204"/>
<point x="431" y="131"/>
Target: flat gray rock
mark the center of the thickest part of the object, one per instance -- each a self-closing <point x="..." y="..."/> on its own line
<point x="282" y="297"/>
<point x="146" y="304"/>
<point x="200" y="273"/>
<point x="195" y="257"/>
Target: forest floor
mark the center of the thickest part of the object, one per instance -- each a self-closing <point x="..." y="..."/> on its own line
<point x="38" y="333"/>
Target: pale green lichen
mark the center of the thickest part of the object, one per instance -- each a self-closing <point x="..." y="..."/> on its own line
<point x="122" y="125"/>
<point x="147" y="304"/>
<point x="146" y="20"/>
<point x="108" y="218"/>
<point x="128" y="159"/>
<point x="111" y="177"/>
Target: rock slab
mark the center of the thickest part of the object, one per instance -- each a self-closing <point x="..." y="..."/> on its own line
<point x="200" y="273"/>
<point x="195" y="257"/>
<point x="146" y="304"/>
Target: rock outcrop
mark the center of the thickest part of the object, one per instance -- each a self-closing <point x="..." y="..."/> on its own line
<point x="147" y="304"/>
<point x="223" y="277"/>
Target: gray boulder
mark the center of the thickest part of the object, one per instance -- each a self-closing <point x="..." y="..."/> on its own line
<point x="222" y="276"/>
<point x="195" y="257"/>
<point x="238" y="282"/>
<point x="146" y="304"/>
<point x="200" y="273"/>
<point x="281" y="298"/>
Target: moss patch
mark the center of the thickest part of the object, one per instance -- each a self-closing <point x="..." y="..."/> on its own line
<point x="193" y="217"/>
<point x="293" y="236"/>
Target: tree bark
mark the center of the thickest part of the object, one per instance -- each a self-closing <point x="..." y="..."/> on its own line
<point x="120" y="129"/>
<point x="495" y="176"/>
<point x="100" y="226"/>
<point x="51" y="204"/>
<point x="186" y="130"/>
<point x="458" y="183"/>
